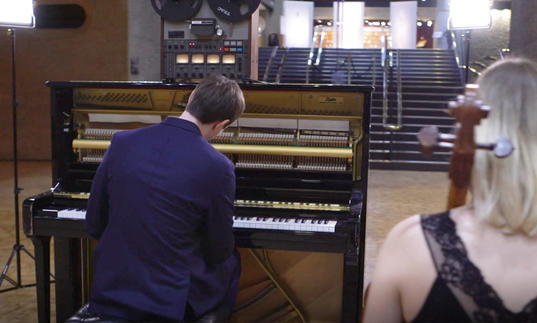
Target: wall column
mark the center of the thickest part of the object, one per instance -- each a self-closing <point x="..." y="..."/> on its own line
<point x="144" y="41"/>
<point x="349" y="24"/>
<point x="441" y="24"/>
<point x="297" y="23"/>
<point x="403" y="18"/>
<point x="523" y="39"/>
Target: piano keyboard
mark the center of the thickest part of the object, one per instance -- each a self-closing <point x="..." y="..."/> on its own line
<point x="288" y="224"/>
<point x="70" y="213"/>
<point x="240" y="222"/>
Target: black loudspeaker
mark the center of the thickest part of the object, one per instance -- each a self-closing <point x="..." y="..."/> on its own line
<point x="59" y="16"/>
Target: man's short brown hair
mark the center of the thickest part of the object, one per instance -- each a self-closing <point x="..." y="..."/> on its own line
<point x="216" y="98"/>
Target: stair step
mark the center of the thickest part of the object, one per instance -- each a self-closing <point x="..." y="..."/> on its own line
<point x="412" y="111"/>
<point x="417" y="120"/>
<point x="413" y="127"/>
<point x="380" y="136"/>
<point x="416" y="103"/>
<point x="408" y="155"/>
<point x="409" y="165"/>
<point x="387" y="145"/>
<point x="377" y="95"/>
<point x="423" y="89"/>
<point x="400" y="145"/>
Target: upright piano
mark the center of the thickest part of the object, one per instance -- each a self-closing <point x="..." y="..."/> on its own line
<point x="301" y="163"/>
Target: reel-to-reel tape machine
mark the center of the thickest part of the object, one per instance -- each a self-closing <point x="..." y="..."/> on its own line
<point x="201" y="37"/>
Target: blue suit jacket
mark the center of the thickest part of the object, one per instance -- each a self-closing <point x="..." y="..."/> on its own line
<point x="161" y="206"/>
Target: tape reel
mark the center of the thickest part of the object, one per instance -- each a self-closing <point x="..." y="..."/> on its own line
<point x="234" y="10"/>
<point x="176" y="10"/>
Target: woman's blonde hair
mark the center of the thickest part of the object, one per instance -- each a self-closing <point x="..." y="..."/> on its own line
<point x="505" y="190"/>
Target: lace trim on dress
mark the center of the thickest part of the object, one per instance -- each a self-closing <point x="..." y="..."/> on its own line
<point x="465" y="280"/>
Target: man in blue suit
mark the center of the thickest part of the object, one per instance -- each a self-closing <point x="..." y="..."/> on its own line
<point x="161" y="207"/>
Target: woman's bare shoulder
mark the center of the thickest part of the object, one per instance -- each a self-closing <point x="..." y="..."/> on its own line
<point x="402" y="261"/>
<point x="405" y="232"/>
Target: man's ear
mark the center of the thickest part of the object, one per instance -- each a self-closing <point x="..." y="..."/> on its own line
<point x="220" y="125"/>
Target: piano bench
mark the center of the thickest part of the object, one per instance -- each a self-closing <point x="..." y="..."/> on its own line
<point x="85" y="316"/>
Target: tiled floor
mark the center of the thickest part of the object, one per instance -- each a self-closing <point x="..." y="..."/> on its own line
<point x="393" y="195"/>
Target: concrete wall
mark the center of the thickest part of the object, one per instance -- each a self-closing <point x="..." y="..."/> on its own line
<point x="523" y="38"/>
<point x="487" y="42"/>
<point x="95" y="51"/>
<point x="403" y="17"/>
<point x="272" y="21"/>
<point x="144" y="41"/>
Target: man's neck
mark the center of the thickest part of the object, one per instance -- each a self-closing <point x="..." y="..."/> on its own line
<point x="189" y="117"/>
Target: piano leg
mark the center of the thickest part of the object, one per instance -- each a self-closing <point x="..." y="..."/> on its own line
<point x="42" y="274"/>
<point x="352" y="289"/>
<point x="67" y="267"/>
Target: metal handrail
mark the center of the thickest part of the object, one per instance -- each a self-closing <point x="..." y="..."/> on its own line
<point x="280" y="67"/>
<point x="457" y="51"/>
<point x="474" y="70"/>
<point x="399" y="95"/>
<point x="504" y="52"/>
<point x="479" y="64"/>
<point x="312" y="51"/>
<point x="320" y="48"/>
<point x="374" y="71"/>
<point x="269" y="63"/>
<point x="384" y="82"/>
<point x="349" y="68"/>
<point x="477" y="67"/>
<point x="387" y="65"/>
<point x="312" y="48"/>
<point x="383" y="51"/>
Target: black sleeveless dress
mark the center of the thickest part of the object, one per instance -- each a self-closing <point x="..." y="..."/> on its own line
<point x="459" y="293"/>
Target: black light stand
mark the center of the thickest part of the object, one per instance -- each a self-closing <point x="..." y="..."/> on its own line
<point x="467" y="34"/>
<point x="17" y="247"/>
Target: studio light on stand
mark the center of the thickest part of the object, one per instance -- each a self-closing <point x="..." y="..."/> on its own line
<point x="466" y="15"/>
<point x="15" y="14"/>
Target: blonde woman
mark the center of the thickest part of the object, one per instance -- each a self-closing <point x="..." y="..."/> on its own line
<point x="476" y="263"/>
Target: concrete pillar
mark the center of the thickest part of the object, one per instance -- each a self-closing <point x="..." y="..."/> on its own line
<point x="403" y="18"/>
<point x="144" y="41"/>
<point x="441" y="24"/>
<point x="523" y="39"/>
<point x="297" y="23"/>
<point x="349" y="22"/>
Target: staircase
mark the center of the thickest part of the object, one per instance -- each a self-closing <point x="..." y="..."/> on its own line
<point x="430" y="78"/>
